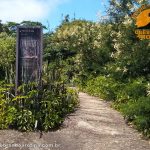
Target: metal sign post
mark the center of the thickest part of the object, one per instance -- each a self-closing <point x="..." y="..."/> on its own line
<point x="28" y="55"/>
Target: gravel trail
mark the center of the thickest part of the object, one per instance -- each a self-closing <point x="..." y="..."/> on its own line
<point x="94" y="126"/>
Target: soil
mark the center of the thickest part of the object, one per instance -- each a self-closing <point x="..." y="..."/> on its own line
<point x="93" y="126"/>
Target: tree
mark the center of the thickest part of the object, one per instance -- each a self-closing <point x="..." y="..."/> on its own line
<point x="118" y="9"/>
<point x="32" y="23"/>
<point x="7" y="56"/>
<point x="131" y="55"/>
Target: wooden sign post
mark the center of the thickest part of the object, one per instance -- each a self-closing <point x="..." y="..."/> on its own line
<point x="28" y="55"/>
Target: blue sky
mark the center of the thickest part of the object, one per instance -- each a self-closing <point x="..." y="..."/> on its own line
<point x="50" y="10"/>
<point x="82" y="9"/>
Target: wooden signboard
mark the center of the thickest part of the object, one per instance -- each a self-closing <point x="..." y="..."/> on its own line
<point x="28" y="55"/>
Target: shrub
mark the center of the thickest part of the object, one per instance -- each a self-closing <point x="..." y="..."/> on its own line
<point x="133" y="89"/>
<point x="7" y="110"/>
<point x="138" y="112"/>
<point x="103" y="87"/>
<point x="34" y="108"/>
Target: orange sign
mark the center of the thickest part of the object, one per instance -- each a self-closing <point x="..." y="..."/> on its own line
<point x="142" y="17"/>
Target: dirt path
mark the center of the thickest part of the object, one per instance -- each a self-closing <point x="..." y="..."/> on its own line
<point x="94" y="126"/>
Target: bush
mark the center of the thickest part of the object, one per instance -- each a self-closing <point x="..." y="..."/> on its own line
<point x="138" y="112"/>
<point x="34" y="108"/>
<point x="133" y="89"/>
<point x="103" y="87"/>
<point x="7" y="110"/>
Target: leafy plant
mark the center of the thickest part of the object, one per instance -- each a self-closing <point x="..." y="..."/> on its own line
<point x="104" y="87"/>
<point x="7" y="110"/>
<point x="139" y="113"/>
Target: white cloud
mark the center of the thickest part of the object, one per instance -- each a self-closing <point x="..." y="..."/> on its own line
<point x="19" y="10"/>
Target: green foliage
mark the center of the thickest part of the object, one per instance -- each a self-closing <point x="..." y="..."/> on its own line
<point x="103" y="87"/>
<point x="45" y="108"/>
<point x="24" y="120"/>
<point x="133" y="89"/>
<point x="81" y="47"/>
<point x="7" y="57"/>
<point x="32" y="23"/>
<point x="139" y="113"/>
<point x="72" y="99"/>
<point x="55" y="107"/>
<point x="7" y="111"/>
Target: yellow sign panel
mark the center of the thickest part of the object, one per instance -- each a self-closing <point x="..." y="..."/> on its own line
<point x="142" y="17"/>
